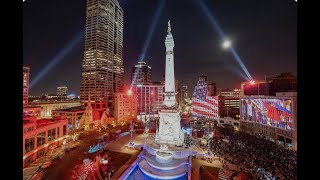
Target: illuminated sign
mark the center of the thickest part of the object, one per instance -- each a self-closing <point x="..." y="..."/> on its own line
<point x="273" y="112"/>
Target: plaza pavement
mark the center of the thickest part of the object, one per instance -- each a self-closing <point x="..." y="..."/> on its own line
<point x="119" y="145"/>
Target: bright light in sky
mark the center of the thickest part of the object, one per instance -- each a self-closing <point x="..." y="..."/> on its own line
<point x="226" y="44"/>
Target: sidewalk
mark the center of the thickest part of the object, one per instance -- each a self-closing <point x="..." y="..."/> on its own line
<point x="34" y="166"/>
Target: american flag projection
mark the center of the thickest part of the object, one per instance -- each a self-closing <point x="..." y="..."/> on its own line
<point x="207" y="108"/>
<point x="275" y="112"/>
<point x="204" y="105"/>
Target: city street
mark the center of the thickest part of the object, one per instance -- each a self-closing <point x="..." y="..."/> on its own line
<point x="62" y="168"/>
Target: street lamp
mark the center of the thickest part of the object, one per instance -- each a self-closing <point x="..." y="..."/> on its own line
<point x="131" y="143"/>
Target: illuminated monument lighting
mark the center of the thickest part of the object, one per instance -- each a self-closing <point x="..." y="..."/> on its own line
<point x="165" y="154"/>
<point x="169" y="126"/>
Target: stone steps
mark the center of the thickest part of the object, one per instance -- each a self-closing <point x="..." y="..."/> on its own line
<point x="175" y="163"/>
<point x="153" y="172"/>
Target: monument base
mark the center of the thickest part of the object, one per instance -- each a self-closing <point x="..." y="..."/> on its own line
<point x="170" y="128"/>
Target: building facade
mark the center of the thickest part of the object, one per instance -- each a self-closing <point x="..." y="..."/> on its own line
<point x="102" y="67"/>
<point x="141" y="74"/>
<point x="212" y="89"/>
<point x="221" y="107"/>
<point x="31" y="112"/>
<point x="73" y="114"/>
<point x="231" y="100"/>
<point x="273" y="118"/>
<point x="204" y="105"/>
<point x="149" y="100"/>
<point x="285" y="82"/>
<point x="26" y="74"/>
<point x="183" y="96"/>
<point x="125" y="108"/>
<point x="41" y="136"/>
<point x="235" y="123"/>
<point x="46" y="108"/>
<point x="184" y="92"/>
<point x="92" y="119"/>
<point x="62" y="91"/>
<point x="260" y="88"/>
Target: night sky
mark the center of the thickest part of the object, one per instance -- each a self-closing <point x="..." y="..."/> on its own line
<point x="263" y="32"/>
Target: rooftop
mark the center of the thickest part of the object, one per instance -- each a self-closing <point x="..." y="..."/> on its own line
<point x="31" y="106"/>
<point x="74" y="109"/>
<point x="44" y="122"/>
<point x="54" y="102"/>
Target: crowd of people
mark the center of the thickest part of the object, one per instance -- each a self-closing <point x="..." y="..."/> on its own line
<point x="263" y="159"/>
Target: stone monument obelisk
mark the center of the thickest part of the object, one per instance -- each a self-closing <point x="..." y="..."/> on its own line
<point x="169" y="124"/>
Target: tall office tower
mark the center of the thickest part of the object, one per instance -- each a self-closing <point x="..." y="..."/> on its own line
<point x="62" y="91"/>
<point x="26" y="73"/>
<point x="118" y="67"/>
<point x="102" y="67"/>
<point x="141" y="74"/>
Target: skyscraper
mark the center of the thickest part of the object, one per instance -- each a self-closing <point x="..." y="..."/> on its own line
<point x="141" y="74"/>
<point x="26" y="72"/>
<point x="102" y="67"/>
